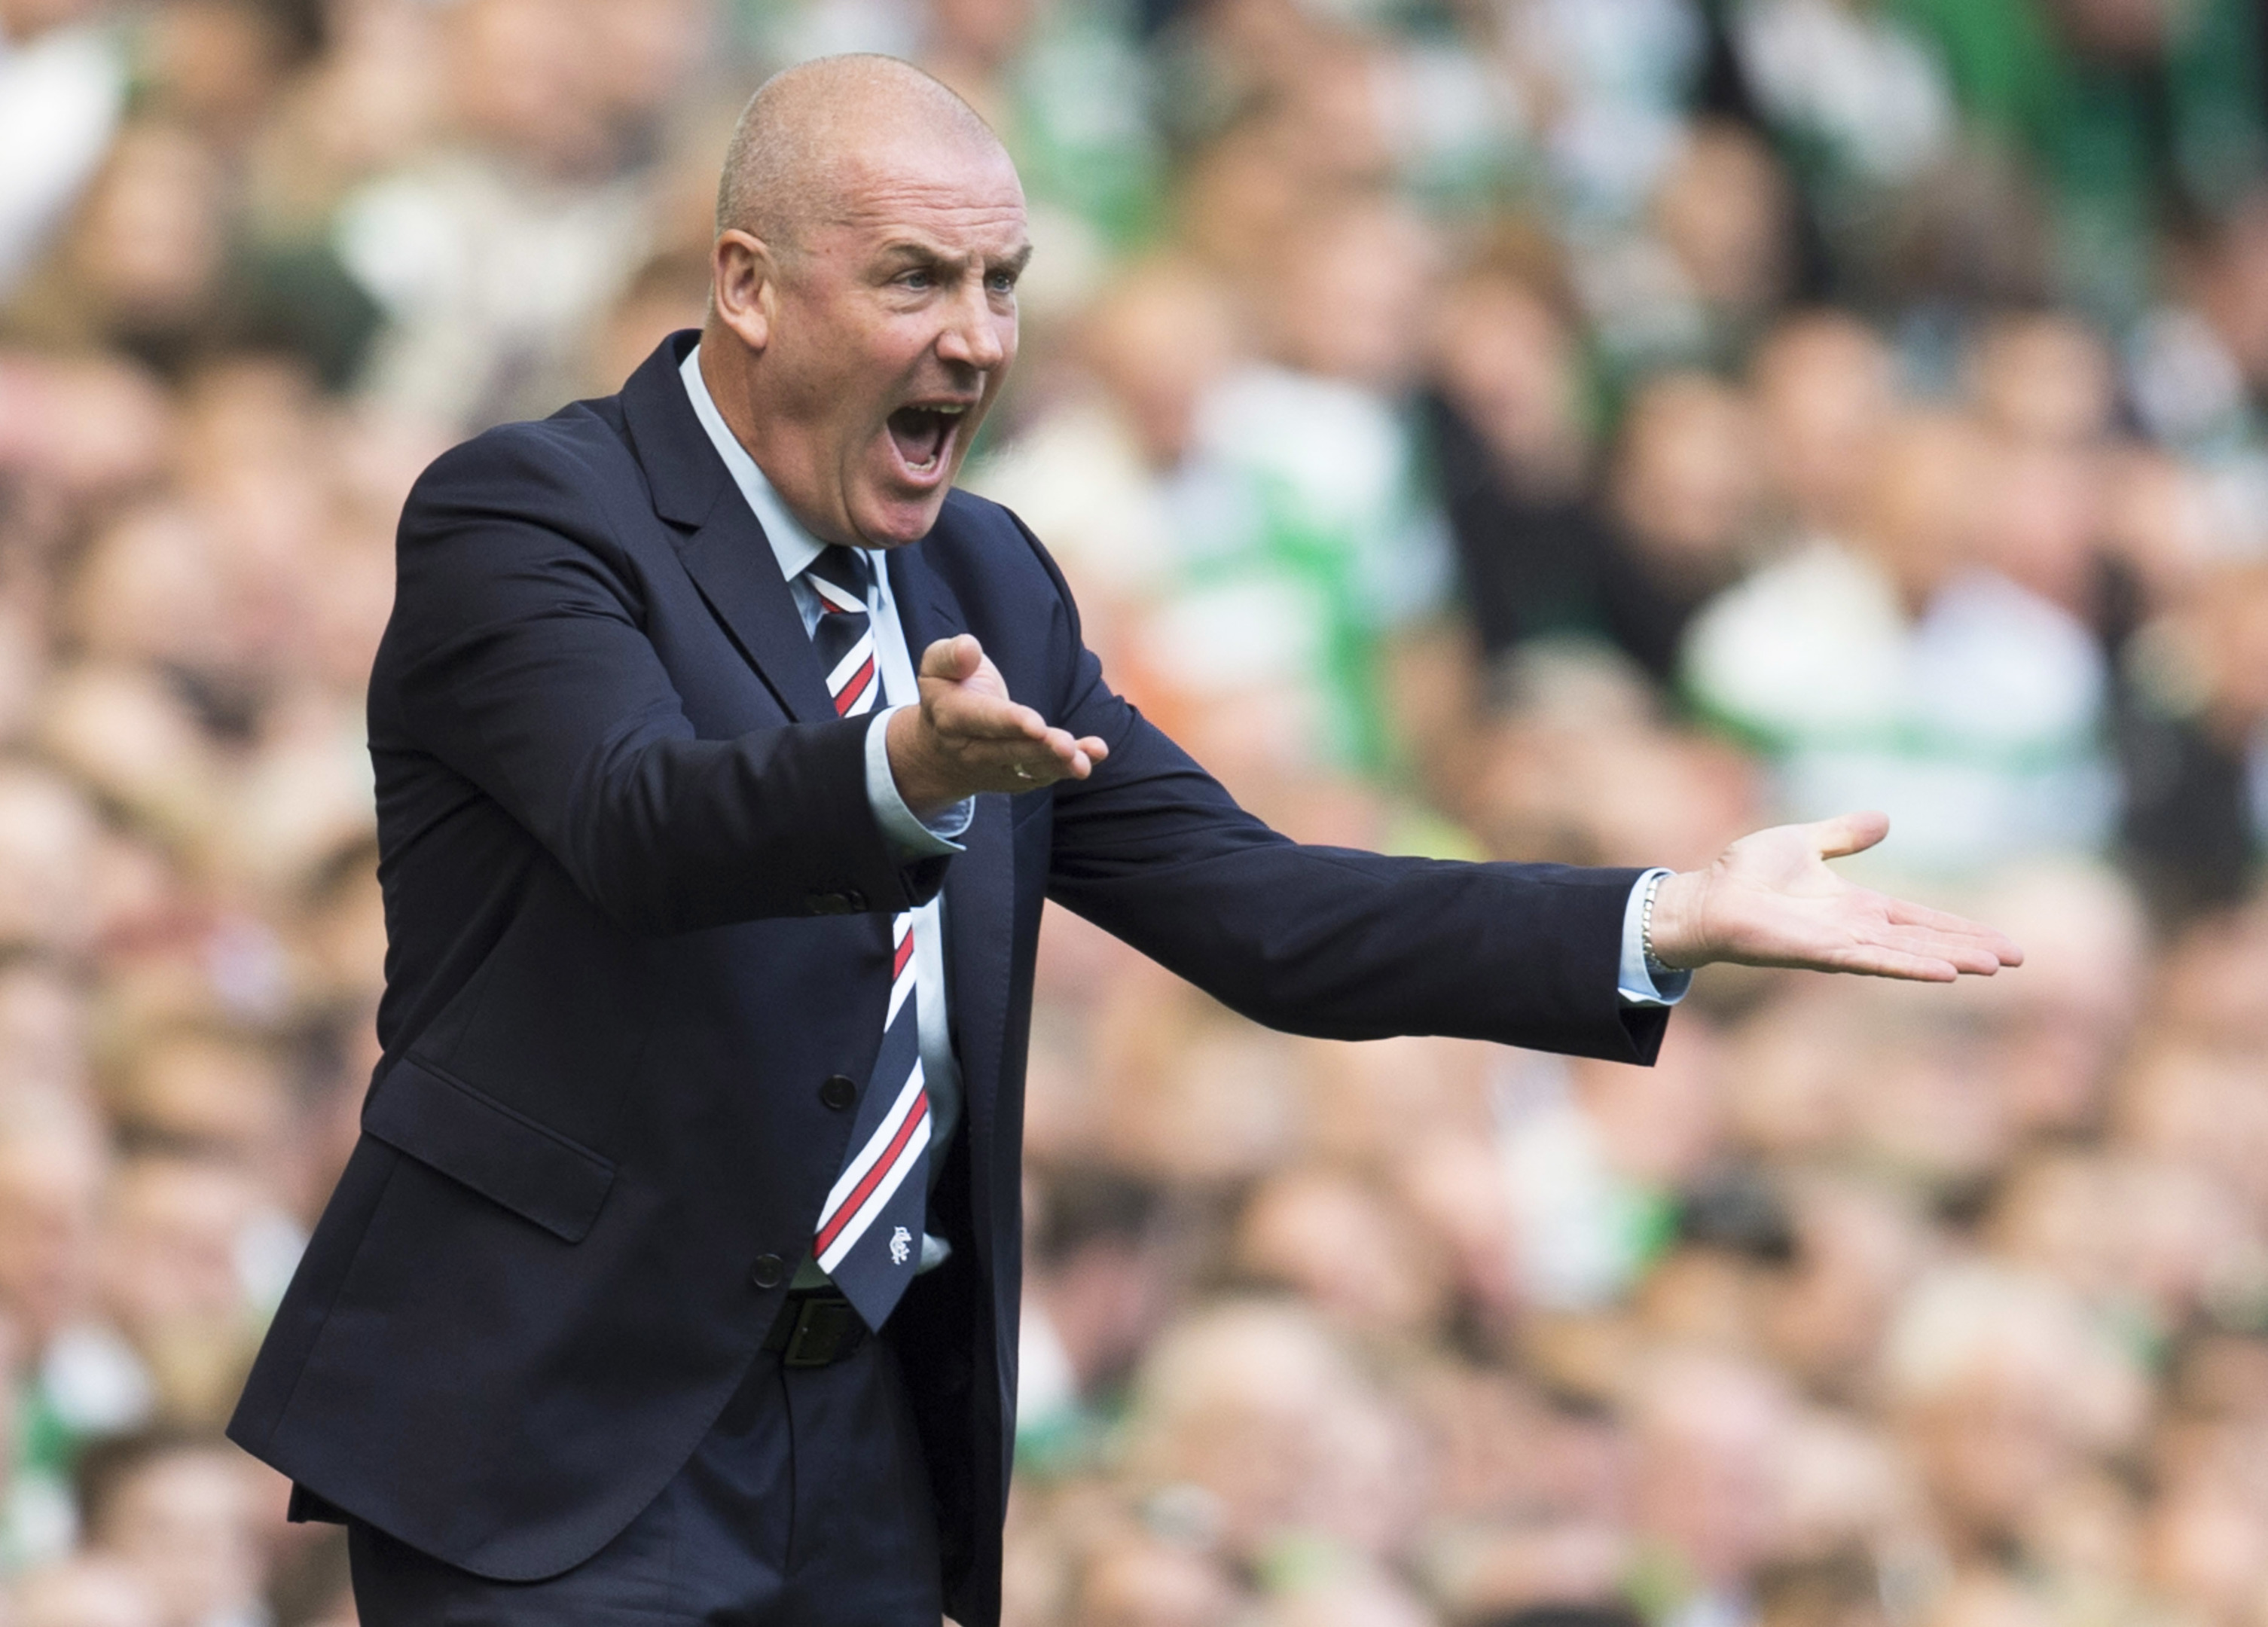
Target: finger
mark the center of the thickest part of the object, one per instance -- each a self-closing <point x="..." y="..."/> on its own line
<point x="1848" y="833"/>
<point x="1967" y="938"/>
<point x="955" y="660"/>
<point x="1045" y="750"/>
<point x="1068" y="758"/>
<point x="1060" y="746"/>
<point x="1059" y="743"/>
<point x="1905" y="913"/>
<point x="1881" y="963"/>
<point x="962" y="719"/>
<point x="1081" y="762"/>
<point x="1022" y="771"/>
<point x="1962" y="954"/>
<point x="1986" y="947"/>
<point x="1978" y="951"/>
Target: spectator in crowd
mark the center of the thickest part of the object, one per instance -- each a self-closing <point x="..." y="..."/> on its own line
<point x="179" y="1514"/>
<point x="1095" y="1287"/>
<point x="62" y="84"/>
<point x="1511" y="420"/>
<point x="1974" y="713"/>
<point x="1686" y="495"/>
<point x="491" y="259"/>
<point x="90" y="1591"/>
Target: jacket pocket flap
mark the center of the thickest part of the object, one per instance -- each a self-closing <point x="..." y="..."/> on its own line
<point x="506" y="1157"/>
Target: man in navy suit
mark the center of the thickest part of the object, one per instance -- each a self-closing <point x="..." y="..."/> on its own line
<point x="725" y="757"/>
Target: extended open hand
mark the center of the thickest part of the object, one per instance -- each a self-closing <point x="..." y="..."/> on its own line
<point x="1770" y="899"/>
<point x="969" y="735"/>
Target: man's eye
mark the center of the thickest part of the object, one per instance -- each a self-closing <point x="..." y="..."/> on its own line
<point x="1002" y="282"/>
<point x="916" y="279"/>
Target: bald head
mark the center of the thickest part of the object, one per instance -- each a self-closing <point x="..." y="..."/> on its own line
<point x="862" y="311"/>
<point x="807" y="132"/>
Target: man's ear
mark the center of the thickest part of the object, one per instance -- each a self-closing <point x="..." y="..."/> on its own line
<point x="744" y="283"/>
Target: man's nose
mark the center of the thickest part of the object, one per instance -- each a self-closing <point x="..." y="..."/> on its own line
<point x="972" y="335"/>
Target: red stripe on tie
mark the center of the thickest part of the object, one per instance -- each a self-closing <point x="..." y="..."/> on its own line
<point x="852" y="690"/>
<point x="905" y="954"/>
<point x="866" y="1188"/>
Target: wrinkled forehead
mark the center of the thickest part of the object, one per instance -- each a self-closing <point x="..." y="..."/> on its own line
<point x="944" y="178"/>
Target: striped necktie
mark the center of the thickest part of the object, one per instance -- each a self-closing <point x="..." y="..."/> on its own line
<point x="870" y="1228"/>
<point x="844" y="633"/>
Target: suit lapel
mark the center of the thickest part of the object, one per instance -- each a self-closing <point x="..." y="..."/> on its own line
<point x="727" y="554"/>
<point x="731" y="562"/>
<point x="928" y="608"/>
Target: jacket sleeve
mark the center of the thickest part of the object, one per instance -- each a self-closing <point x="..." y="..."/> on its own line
<point x="517" y="656"/>
<point x="1332" y="942"/>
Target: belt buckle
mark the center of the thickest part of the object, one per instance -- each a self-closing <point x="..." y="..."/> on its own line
<point x="826" y="1331"/>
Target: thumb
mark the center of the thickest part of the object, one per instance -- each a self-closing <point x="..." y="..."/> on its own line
<point x="1848" y="833"/>
<point x="953" y="659"/>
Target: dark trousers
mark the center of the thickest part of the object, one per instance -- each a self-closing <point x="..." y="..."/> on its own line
<point x="808" y="1504"/>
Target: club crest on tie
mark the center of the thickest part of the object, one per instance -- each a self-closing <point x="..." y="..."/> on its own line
<point x="902" y="1246"/>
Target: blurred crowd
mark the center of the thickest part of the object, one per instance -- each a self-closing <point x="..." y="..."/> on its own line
<point x="1575" y="429"/>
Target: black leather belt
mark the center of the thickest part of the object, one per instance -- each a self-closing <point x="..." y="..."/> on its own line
<point x="815" y="1326"/>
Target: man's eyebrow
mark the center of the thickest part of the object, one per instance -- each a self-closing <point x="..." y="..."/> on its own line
<point x="914" y="250"/>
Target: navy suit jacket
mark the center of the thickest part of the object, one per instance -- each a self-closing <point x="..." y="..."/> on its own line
<point x="637" y="911"/>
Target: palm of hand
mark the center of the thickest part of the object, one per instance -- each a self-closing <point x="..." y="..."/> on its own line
<point x="1770" y="899"/>
<point x="969" y="735"/>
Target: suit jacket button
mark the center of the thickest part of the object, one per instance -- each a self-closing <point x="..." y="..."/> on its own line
<point x="769" y="1271"/>
<point x="839" y="1092"/>
<point x="847" y="900"/>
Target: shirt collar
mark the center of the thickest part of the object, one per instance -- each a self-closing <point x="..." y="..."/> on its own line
<point x="792" y="546"/>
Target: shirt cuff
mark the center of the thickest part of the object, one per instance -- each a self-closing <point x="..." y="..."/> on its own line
<point x="908" y="835"/>
<point x="1638" y="986"/>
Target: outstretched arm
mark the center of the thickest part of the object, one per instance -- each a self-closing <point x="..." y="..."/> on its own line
<point x="1770" y="899"/>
